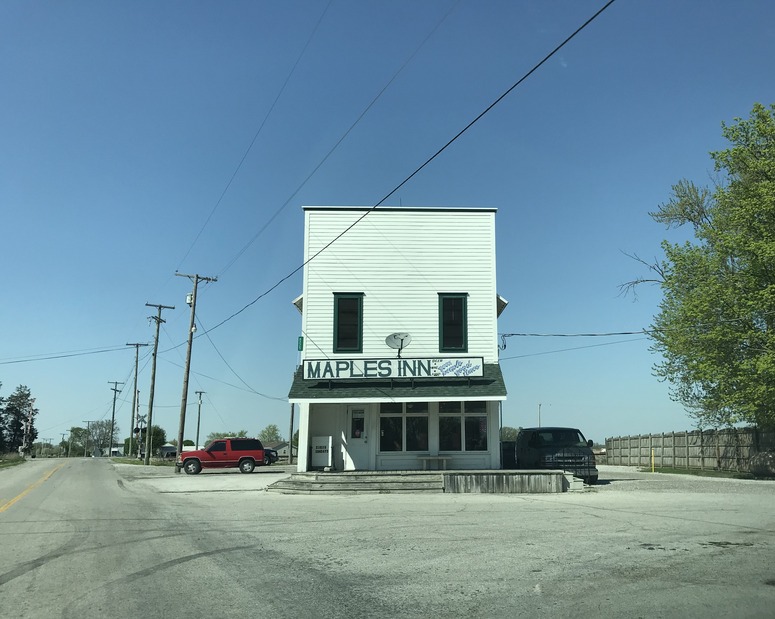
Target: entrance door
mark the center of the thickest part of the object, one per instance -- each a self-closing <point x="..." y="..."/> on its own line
<point x="356" y="455"/>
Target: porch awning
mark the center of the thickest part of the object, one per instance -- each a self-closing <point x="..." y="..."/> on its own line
<point x="489" y="386"/>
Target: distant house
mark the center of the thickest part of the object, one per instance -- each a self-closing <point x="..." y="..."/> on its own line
<point x="282" y="449"/>
<point x="168" y="450"/>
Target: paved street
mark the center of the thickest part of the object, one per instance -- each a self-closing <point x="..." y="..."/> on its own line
<point x="87" y="537"/>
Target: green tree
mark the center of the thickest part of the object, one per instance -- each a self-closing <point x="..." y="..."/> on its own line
<point x="716" y="323"/>
<point x="18" y="420"/>
<point x="214" y="435"/>
<point x="130" y="447"/>
<point x="99" y="436"/>
<point x="509" y="433"/>
<point x="76" y="442"/>
<point x="270" y="435"/>
<point x="158" y="438"/>
<point x="3" y="447"/>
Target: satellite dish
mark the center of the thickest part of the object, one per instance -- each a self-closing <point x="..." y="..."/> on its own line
<point x="398" y="341"/>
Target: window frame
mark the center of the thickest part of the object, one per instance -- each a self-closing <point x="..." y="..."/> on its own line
<point x="340" y="296"/>
<point x="405" y="413"/>
<point x="451" y="296"/>
<point x="464" y="412"/>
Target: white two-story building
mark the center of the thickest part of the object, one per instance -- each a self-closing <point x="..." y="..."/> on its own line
<point x="399" y="363"/>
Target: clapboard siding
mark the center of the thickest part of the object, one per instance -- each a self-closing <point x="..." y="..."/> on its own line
<point x="401" y="260"/>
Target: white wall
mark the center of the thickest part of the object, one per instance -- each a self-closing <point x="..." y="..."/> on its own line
<point x="401" y="260"/>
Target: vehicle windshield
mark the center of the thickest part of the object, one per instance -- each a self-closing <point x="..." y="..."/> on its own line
<point x="564" y="437"/>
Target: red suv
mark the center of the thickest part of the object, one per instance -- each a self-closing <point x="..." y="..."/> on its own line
<point x="223" y="453"/>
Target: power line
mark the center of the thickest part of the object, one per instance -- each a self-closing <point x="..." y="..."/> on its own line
<point x="61" y="355"/>
<point x="340" y="140"/>
<point x="258" y="132"/>
<point x="223" y="382"/>
<point x="421" y="167"/>
<point x="614" y="334"/>
<point x="263" y="395"/>
<point x="551" y="352"/>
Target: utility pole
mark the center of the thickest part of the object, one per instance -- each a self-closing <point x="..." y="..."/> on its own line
<point x="198" y="417"/>
<point x="115" y="391"/>
<point x="159" y="320"/>
<point x="191" y="328"/>
<point x="140" y="425"/>
<point x="86" y="443"/>
<point x="60" y="445"/>
<point x="290" y="440"/>
<point x="28" y="428"/>
<point x="137" y="422"/>
<point x="134" y="398"/>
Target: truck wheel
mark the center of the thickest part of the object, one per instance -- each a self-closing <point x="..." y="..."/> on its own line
<point x="192" y="467"/>
<point x="247" y="466"/>
<point x="591" y="481"/>
<point x="267" y="460"/>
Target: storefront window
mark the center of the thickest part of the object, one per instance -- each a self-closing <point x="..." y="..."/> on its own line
<point x="476" y="433"/>
<point x="417" y="433"/>
<point x="463" y="425"/>
<point x="391" y="433"/>
<point x="417" y="407"/>
<point x="449" y="408"/>
<point x="391" y="408"/>
<point x="476" y="407"/>
<point x="449" y="434"/>
<point x="403" y="427"/>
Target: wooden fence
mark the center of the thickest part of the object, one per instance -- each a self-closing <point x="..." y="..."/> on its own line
<point x="729" y="449"/>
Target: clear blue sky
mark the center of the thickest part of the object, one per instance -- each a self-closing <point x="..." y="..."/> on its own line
<point x="122" y="123"/>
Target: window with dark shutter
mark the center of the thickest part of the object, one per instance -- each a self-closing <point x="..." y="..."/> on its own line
<point x="348" y="322"/>
<point x="453" y="322"/>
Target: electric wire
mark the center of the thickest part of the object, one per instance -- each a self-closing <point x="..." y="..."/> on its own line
<point x="233" y="371"/>
<point x="217" y="380"/>
<point x="340" y="140"/>
<point x="406" y="180"/>
<point x="258" y="132"/>
<point x="421" y="167"/>
<point x="551" y="352"/>
<point x="61" y="355"/>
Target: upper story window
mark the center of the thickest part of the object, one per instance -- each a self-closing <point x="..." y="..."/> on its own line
<point x="453" y="322"/>
<point x="348" y="322"/>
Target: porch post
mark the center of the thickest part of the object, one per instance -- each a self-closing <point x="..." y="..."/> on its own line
<point x="302" y="463"/>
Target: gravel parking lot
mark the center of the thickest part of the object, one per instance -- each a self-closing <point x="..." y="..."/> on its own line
<point x="636" y="545"/>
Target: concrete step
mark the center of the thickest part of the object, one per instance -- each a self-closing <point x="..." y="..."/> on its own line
<point x="412" y="482"/>
<point x="305" y="483"/>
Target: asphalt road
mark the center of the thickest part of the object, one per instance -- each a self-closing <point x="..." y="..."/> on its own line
<point x="87" y="538"/>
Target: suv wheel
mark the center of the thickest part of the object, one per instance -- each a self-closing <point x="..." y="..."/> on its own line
<point x="192" y="467"/>
<point x="267" y="460"/>
<point x="246" y="466"/>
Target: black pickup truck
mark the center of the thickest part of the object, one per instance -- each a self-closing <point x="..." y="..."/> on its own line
<point x="563" y="449"/>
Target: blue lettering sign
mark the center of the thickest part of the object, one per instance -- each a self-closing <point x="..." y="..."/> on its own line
<point x="313" y="370"/>
<point x="385" y="368"/>
<point x="423" y="368"/>
<point x="370" y="369"/>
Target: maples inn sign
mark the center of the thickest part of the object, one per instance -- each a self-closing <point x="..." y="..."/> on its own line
<point x="339" y="369"/>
